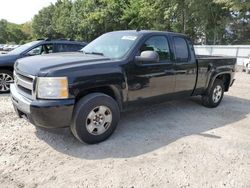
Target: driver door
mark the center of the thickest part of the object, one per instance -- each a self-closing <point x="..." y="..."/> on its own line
<point x="151" y="79"/>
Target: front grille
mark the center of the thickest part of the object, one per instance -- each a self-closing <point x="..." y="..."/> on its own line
<point x="24" y="84"/>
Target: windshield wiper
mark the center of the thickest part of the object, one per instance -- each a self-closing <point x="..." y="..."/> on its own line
<point x="94" y="53"/>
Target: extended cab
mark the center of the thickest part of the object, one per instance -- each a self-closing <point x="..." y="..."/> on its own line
<point x="88" y="90"/>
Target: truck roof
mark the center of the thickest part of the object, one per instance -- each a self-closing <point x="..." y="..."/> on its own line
<point x="143" y="32"/>
<point x="60" y="41"/>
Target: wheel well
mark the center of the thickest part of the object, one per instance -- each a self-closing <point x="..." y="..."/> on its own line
<point x="105" y="89"/>
<point x="7" y="68"/>
<point x="226" y="80"/>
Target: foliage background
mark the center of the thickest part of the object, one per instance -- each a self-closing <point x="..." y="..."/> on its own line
<point x="205" y="21"/>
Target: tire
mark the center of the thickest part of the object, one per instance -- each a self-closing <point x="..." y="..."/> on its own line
<point x="6" y="78"/>
<point x="88" y="128"/>
<point x="215" y="95"/>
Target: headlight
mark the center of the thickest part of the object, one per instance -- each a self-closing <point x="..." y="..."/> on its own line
<point x="52" y="88"/>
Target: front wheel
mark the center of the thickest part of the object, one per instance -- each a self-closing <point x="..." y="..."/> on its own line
<point x="214" y="96"/>
<point x="95" y="118"/>
<point x="6" y="78"/>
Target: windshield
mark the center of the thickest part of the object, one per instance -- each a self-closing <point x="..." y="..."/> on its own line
<point x="23" y="48"/>
<point x="112" y="45"/>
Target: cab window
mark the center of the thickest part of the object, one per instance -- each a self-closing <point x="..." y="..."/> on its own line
<point x="158" y="44"/>
<point x="181" y="49"/>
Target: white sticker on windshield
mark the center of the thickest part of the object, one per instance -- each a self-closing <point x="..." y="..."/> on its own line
<point x="129" y="37"/>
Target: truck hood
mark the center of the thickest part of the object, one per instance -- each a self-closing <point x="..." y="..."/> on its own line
<point x="47" y="64"/>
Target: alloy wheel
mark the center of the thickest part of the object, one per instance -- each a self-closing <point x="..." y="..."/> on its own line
<point x="217" y="94"/>
<point x="5" y="81"/>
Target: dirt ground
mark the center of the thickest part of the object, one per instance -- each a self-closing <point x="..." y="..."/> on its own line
<point x="175" y="144"/>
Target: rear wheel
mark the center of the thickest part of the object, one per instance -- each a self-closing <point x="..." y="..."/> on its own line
<point x="6" y="78"/>
<point x="247" y="68"/>
<point x="95" y="118"/>
<point x="213" y="97"/>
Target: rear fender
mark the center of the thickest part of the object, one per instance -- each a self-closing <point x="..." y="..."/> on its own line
<point x="216" y="75"/>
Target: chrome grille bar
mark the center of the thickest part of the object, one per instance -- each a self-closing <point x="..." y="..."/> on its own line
<point x="24" y="84"/>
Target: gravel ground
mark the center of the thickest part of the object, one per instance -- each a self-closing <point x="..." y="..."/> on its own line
<point x="175" y="144"/>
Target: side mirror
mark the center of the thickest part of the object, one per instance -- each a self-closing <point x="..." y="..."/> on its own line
<point x="148" y="57"/>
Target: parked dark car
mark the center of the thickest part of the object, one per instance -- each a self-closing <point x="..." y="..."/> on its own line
<point x="6" y="47"/>
<point x="38" y="47"/>
<point x="88" y="90"/>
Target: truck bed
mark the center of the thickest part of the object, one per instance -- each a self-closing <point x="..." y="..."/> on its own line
<point x="208" y="64"/>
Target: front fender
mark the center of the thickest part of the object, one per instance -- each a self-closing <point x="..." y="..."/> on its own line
<point x="112" y="78"/>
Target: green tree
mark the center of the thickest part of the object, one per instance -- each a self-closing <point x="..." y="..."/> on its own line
<point x="42" y="24"/>
<point x="214" y="21"/>
<point x="61" y="19"/>
<point x="11" y="33"/>
<point x="239" y="24"/>
<point x="3" y="31"/>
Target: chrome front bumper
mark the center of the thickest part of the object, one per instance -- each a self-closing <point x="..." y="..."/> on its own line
<point x="19" y="102"/>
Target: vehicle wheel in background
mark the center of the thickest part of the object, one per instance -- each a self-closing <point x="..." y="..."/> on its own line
<point x="213" y="97"/>
<point x="248" y="70"/>
<point x="95" y="118"/>
<point x="6" y="78"/>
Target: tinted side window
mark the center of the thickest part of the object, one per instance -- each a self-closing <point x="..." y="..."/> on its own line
<point x="181" y="49"/>
<point x="67" y="47"/>
<point x="61" y="48"/>
<point x="158" y="44"/>
<point x="47" y="49"/>
<point x="75" y="47"/>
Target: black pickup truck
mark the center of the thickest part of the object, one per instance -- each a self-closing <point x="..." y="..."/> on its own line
<point x="87" y="90"/>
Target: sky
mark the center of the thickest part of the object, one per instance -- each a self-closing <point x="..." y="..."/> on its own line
<point x="21" y="11"/>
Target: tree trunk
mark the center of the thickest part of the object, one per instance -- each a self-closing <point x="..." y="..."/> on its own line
<point x="214" y="40"/>
<point x="183" y="21"/>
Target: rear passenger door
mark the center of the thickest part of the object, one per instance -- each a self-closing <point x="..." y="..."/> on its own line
<point x="185" y="66"/>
